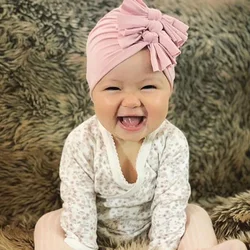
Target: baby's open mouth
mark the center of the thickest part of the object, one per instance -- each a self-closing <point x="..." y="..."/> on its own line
<point x="131" y="121"/>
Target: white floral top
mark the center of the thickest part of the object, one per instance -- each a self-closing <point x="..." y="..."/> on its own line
<point x="99" y="202"/>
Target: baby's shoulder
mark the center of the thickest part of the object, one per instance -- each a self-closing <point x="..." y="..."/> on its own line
<point x="86" y="132"/>
<point x="170" y="138"/>
<point x="170" y="142"/>
<point x="169" y="132"/>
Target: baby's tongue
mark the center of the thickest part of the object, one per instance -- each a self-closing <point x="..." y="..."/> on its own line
<point x="131" y="121"/>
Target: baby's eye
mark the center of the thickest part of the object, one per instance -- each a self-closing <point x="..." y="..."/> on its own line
<point x="112" y="88"/>
<point x="149" y="87"/>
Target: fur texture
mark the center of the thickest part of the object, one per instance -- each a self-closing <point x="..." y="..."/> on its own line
<point x="44" y="95"/>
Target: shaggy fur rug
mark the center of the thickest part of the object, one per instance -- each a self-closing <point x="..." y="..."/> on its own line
<point x="44" y="95"/>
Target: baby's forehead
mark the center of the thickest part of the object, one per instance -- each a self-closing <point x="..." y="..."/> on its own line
<point x="139" y="79"/>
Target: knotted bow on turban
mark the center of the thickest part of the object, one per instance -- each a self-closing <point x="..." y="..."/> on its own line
<point x="128" y="29"/>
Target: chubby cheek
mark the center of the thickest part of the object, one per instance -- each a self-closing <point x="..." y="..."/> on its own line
<point x="158" y="111"/>
<point x="105" y="110"/>
<point x="99" y="111"/>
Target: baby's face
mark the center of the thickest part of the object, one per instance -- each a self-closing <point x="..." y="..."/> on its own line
<point x="131" y="101"/>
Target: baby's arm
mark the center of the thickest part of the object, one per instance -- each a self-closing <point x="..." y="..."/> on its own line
<point x="79" y="219"/>
<point x="171" y="195"/>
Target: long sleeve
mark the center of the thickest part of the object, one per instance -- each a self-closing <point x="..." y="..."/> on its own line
<point x="79" y="216"/>
<point x="171" y="195"/>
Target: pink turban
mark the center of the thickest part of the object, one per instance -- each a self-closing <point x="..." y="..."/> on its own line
<point x="128" y="29"/>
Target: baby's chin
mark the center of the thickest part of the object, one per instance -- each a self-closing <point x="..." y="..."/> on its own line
<point x="135" y="137"/>
<point x="128" y="139"/>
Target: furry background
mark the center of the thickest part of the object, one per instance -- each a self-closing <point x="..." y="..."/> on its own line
<point x="44" y="95"/>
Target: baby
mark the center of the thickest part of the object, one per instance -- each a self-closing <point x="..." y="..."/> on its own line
<point x="124" y="171"/>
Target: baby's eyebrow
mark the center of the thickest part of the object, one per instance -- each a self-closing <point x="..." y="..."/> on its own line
<point x="112" y="80"/>
<point x="154" y="78"/>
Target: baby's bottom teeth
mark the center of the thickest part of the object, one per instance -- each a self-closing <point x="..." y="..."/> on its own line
<point x="131" y="121"/>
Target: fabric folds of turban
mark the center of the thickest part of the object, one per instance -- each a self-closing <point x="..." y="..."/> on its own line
<point x="128" y="29"/>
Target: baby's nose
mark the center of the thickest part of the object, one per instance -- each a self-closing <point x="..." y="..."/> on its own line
<point x="131" y="101"/>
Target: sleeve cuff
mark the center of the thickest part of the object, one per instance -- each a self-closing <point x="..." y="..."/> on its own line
<point x="76" y="245"/>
